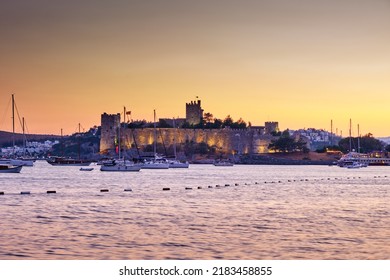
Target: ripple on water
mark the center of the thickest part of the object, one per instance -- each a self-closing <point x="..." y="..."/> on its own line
<point x="313" y="219"/>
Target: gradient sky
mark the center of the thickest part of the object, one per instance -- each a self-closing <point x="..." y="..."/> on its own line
<point x="301" y="63"/>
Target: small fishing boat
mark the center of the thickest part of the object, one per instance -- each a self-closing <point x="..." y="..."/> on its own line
<point x="7" y="168"/>
<point x="86" y="168"/>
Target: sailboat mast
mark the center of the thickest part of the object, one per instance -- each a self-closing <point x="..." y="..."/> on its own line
<point x="358" y="138"/>
<point x="331" y="132"/>
<point x="174" y="138"/>
<point x="155" y="133"/>
<point x="350" y="136"/>
<point x="13" y="123"/>
<point x="79" y="141"/>
<point x="119" y="138"/>
<point x="24" y="138"/>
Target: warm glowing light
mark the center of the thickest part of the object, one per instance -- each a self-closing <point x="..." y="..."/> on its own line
<point x="301" y="64"/>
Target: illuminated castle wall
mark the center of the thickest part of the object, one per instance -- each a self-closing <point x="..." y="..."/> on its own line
<point x="226" y="140"/>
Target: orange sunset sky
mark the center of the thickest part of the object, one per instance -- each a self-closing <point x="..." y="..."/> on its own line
<point x="301" y="63"/>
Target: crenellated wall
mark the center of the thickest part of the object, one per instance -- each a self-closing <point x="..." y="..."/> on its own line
<point x="226" y="140"/>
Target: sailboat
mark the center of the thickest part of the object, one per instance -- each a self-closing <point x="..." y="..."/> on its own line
<point x="157" y="162"/>
<point x="16" y="161"/>
<point x="175" y="163"/>
<point x="120" y="164"/>
<point x="353" y="159"/>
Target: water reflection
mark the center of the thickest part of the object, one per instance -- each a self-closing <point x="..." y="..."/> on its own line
<point x="293" y="212"/>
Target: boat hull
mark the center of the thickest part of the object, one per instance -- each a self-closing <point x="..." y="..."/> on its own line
<point x="10" y="169"/>
<point x="179" y="165"/>
<point x="155" y="166"/>
<point x="17" y="162"/>
<point x="68" y="162"/>
<point x="120" y="168"/>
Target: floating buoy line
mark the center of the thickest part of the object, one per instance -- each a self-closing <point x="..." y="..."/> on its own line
<point x="219" y="186"/>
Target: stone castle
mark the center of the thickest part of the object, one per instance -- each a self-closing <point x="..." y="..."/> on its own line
<point x="252" y="140"/>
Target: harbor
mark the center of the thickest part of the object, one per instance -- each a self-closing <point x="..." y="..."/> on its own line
<point x="265" y="211"/>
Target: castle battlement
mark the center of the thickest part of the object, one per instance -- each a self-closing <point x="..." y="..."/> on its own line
<point x="226" y="140"/>
<point x="194" y="112"/>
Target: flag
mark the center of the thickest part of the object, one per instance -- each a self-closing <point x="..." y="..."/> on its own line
<point x="128" y="112"/>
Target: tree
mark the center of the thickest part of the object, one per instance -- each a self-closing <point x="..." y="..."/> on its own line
<point x="218" y="123"/>
<point x="240" y="124"/>
<point x="285" y="143"/>
<point x="228" y="121"/>
<point x="367" y="144"/>
<point x="208" y="117"/>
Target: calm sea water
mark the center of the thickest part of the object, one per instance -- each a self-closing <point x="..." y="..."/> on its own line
<point x="275" y="212"/>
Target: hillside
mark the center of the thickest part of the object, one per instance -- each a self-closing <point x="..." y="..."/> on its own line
<point x="6" y="137"/>
<point x="291" y="158"/>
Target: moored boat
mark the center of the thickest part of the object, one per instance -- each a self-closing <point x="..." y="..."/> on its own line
<point x="363" y="159"/>
<point x="17" y="162"/>
<point x="120" y="165"/>
<point x="86" y="168"/>
<point x="156" y="163"/>
<point x="62" y="161"/>
<point x="7" y="168"/>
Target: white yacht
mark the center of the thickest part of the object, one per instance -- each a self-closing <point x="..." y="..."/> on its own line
<point x="120" y="165"/>
<point x="156" y="163"/>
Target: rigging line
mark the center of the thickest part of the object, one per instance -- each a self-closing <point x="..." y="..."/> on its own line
<point x="17" y="112"/>
<point x="26" y="131"/>
<point x="6" y="112"/>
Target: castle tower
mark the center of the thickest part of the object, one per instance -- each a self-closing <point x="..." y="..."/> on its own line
<point x="194" y="112"/>
<point x="109" y="128"/>
<point x="271" y="127"/>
